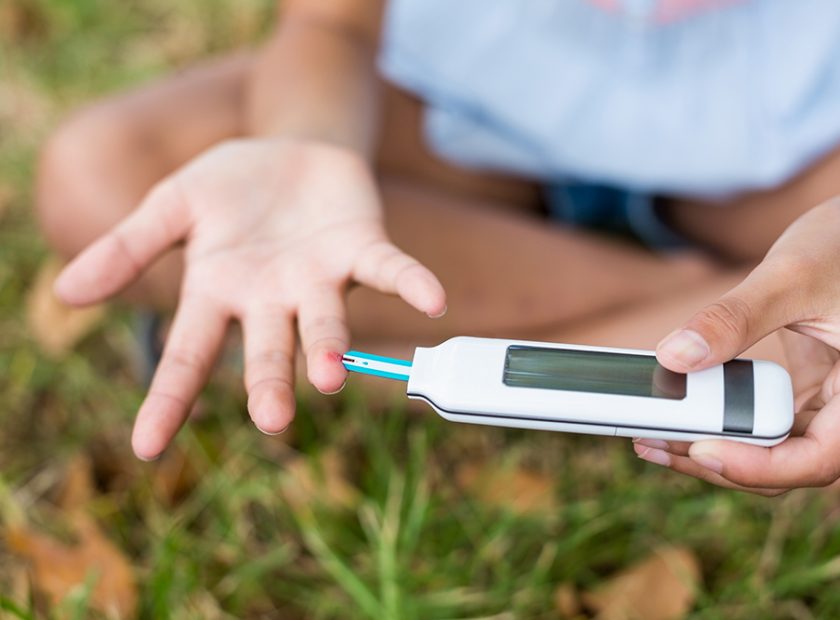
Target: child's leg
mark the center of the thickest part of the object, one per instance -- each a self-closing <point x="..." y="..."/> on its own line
<point x="745" y="227"/>
<point x="507" y="271"/>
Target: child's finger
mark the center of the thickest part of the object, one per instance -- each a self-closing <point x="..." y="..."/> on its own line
<point x="386" y="268"/>
<point x="119" y="257"/>
<point x="324" y="337"/>
<point x="191" y="349"/>
<point x="269" y="341"/>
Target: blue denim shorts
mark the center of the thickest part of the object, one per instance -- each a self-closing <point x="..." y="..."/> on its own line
<point x="610" y="209"/>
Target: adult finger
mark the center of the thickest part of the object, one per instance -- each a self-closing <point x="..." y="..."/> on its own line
<point x="812" y="459"/>
<point x="764" y="302"/>
<point x="269" y="340"/>
<point x="809" y="362"/>
<point x="324" y="337"/>
<point x="191" y="349"/>
<point x="119" y="257"/>
<point x="384" y="267"/>
<point x="672" y="447"/>
<point x="685" y="465"/>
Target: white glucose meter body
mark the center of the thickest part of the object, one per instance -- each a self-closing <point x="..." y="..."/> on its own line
<point x="592" y="390"/>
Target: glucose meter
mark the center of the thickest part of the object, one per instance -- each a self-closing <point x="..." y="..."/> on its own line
<point x="593" y="390"/>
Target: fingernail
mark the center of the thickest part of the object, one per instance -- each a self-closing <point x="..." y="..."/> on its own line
<point x="437" y="316"/>
<point x="707" y="461"/>
<point x="657" y="457"/>
<point x="334" y="391"/>
<point x="281" y="431"/>
<point x="151" y="459"/>
<point x="685" y="345"/>
<point x="659" y="444"/>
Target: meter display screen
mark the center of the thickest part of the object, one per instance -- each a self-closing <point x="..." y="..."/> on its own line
<point x="598" y="372"/>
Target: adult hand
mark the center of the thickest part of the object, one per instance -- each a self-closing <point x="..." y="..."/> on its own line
<point x="796" y="286"/>
<point x="274" y="231"/>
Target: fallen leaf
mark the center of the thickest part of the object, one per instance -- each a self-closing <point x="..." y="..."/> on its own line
<point x="322" y="481"/>
<point x="566" y="600"/>
<point x="57" y="567"/>
<point x="660" y="587"/>
<point x="21" y="20"/>
<point x="57" y="328"/>
<point x="516" y="489"/>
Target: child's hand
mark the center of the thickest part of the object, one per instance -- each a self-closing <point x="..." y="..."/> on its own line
<point x="274" y="232"/>
<point x="796" y="286"/>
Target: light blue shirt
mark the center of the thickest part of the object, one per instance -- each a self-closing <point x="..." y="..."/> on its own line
<point x="736" y="98"/>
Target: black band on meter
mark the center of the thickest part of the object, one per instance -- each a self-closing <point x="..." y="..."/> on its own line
<point x="738" y="396"/>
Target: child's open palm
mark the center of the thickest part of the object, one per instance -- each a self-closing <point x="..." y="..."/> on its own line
<point x="274" y="232"/>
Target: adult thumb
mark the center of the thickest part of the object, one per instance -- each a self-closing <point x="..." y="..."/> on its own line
<point x="727" y="327"/>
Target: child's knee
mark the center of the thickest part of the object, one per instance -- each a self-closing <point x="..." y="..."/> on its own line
<point x="80" y="169"/>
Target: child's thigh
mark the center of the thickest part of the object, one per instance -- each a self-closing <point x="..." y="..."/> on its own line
<point x="510" y="273"/>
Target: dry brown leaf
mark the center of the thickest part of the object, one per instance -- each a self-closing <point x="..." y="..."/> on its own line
<point x="323" y="482"/>
<point x="566" y="600"/>
<point x="20" y="20"/>
<point x="660" y="587"/>
<point x="516" y="489"/>
<point x="57" y="328"/>
<point x="57" y="567"/>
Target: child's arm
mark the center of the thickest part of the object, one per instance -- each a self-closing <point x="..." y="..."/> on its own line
<point x="796" y="287"/>
<point x="274" y="230"/>
<point x="316" y="78"/>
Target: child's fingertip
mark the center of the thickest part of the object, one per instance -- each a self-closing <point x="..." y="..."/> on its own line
<point x="329" y="382"/>
<point x="148" y="459"/>
<point x="334" y="356"/>
<point x="438" y="315"/>
<point x="273" y="433"/>
<point x="332" y="392"/>
<point x="61" y="288"/>
<point x="147" y="456"/>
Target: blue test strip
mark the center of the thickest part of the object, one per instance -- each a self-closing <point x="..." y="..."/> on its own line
<point x="370" y="364"/>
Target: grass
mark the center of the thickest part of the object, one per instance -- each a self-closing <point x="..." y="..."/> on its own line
<point x="403" y="539"/>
